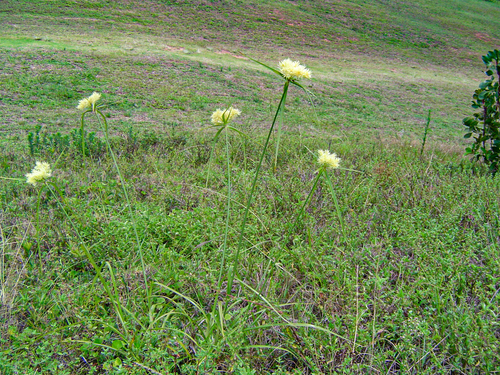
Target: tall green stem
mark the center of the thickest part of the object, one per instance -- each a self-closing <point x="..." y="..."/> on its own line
<point x="226" y="231"/>
<point x="83" y="136"/>
<point x="252" y="190"/>
<point x="282" y="111"/>
<point x="425" y="132"/>
<point x="38" y="230"/>
<point x="307" y="199"/>
<point x="228" y="208"/>
<point x="337" y="207"/>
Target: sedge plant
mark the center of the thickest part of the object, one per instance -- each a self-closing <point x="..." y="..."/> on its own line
<point x="216" y="326"/>
<point x="39" y="175"/>
<point x="89" y="105"/>
<point x="291" y="72"/>
<point x="124" y="344"/>
<point x="39" y="178"/>
<point x="221" y="120"/>
<point x="327" y="161"/>
<point x="126" y="319"/>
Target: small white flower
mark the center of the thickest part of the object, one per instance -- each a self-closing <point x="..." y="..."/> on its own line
<point x="221" y="117"/>
<point x="328" y="160"/>
<point x="89" y="102"/>
<point x="292" y="70"/>
<point x="40" y="173"/>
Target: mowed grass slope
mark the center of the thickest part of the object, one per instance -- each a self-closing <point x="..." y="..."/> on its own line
<point x="393" y="268"/>
<point x="377" y="65"/>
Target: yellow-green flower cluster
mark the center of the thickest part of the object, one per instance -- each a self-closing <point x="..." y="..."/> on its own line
<point x="222" y="117"/>
<point x="40" y="173"/>
<point x="327" y="160"/>
<point x="89" y="102"/>
<point x="292" y="70"/>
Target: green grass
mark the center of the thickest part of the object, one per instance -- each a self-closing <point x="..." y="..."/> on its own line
<point x="410" y="287"/>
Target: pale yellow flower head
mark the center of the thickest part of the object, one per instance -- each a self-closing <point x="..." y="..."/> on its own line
<point x="89" y="102"/>
<point x="83" y="104"/>
<point x="292" y="70"/>
<point x="94" y="97"/>
<point x="40" y="173"/>
<point x="221" y="117"/>
<point x="327" y="160"/>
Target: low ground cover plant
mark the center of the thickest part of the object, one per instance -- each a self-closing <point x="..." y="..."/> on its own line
<point x="254" y="264"/>
<point x="139" y="239"/>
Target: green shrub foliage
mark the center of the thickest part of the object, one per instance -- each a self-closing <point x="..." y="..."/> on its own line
<point x="484" y="125"/>
<point x="41" y="142"/>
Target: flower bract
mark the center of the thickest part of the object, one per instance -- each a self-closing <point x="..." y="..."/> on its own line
<point x="328" y="160"/>
<point x="222" y="117"/>
<point x="292" y="70"/>
<point x="40" y="173"/>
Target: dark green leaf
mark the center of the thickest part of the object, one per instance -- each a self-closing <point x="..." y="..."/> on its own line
<point x="484" y="84"/>
<point x="470" y="121"/>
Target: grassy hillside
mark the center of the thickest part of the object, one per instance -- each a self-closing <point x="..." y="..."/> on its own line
<point x="168" y="247"/>
<point x="425" y="30"/>
<point x="377" y="65"/>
